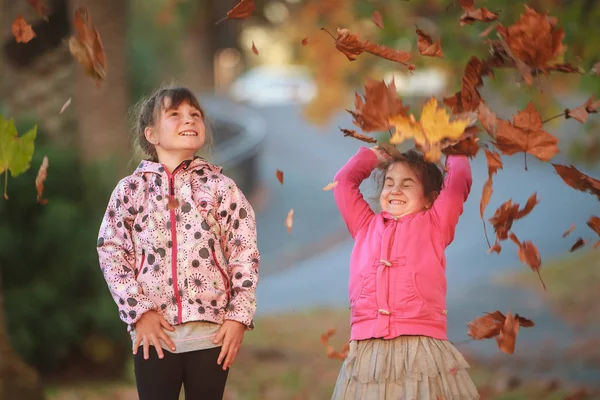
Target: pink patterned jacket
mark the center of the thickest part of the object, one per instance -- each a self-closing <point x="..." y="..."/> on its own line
<point x="196" y="260"/>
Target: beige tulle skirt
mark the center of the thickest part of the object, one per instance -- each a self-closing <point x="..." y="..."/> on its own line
<point x="404" y="368"/>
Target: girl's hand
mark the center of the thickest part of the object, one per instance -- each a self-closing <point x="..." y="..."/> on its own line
<point x="149" y="328"/>
<point x="231" y="335"/>
<point x="382" y="156"/>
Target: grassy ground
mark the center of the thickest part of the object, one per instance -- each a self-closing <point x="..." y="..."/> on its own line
<point x="283" y="359"/>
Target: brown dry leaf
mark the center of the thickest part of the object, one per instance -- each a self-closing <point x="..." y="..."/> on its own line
<point x="426" y="45"/>
<point x="279" y="175"/>
<point x="242" y="10"/>
<point x="529" y="255"/>
<point x="578" y="180"/>
<point x="21" y="30"/>
<point x="581" y="113"/>
<point x="330" y="186"/>
<point x="40" y="7"/>
<point x="40" y="179"/>
<point x="65" y="106"/>
<point x="484" y="327"/>
<point x="594" y="224"/>
<point x="399" y="56"/>
<point x="173" y="203"/>
<point x="305" y="41"/>
<point x="525" y="135"/>
<point x="468" y="146"/>
<point x="507" y="337"/>
<point x="509" y="212"/>
<point x="487" y="118"/>
<point x="254" y="49"/>
<point x="568" y="231"/>
<point x="289" y="220"/>
<point x="329" y="350"/>
<point x="377" y="19"/>
<point x="468" y="99"/>
<point x="566" y="68"/>
<point x="496" y="248"/>
<point x="356" y="135"/>
<point x="86" y="46"/>
<point x="494" y="163"/>
<point x="473" y="14"/>
<point x="380" y="103"/>
<point x="578" y="244"/>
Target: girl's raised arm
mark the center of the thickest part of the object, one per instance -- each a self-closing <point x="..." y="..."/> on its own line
<point x="353" y="207"/>
<point x="117" y="256"/>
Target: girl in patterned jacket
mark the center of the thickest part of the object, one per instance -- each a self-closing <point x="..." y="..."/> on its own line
<point x="177" y="248"/>
<point x="399" y="348"/>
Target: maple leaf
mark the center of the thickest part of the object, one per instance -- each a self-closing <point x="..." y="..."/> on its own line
<point x="330" y="186"/>
<point x="525" y="135"/>
<point x="568" y="231"/>
<point x="494" y="163"/>
<point x="279" y="175"/>
<point x="468" y="146"/>
<point x="329" y="350"/>
<point x="487" y="118"/>
<point x="40" y="7"/>
<point x="426" y="45"/>
<point x="86" y="46"/>
<point x="468" y="99"/>
<point x="254" y="49"/>
<point x="433" y="127"/>
<point x="578" y="244"/>
<point x="380" y="103"/>
<point x="577" y="179"/>
<point x="356" y="135"/>
<point x="473" y="14"/>
<point x="594" y="224"/>
<point x="21" y="30"/>
<point x="581" y="113"/>
<point x="509" y="212"/>
<point x="529" y="255"/>
<point x="242" y="10"/>
<point x="15" y="151"/>
<point x="503" y="328"/>
<point x="507" y="337"/>
<point x="289" y="220"/>
<point x="40" y="179"/>
<point x="484" y="327"/>
<point x="377" y="19"/>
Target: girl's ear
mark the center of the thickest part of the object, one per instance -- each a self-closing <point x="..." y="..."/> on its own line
<point x="151" y="135"/>
<point x="432" y="198"/>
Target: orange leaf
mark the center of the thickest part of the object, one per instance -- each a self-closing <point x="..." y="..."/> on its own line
<point x="426" y="45"/>
<point x="578" y="180"/>
<point x="581" y="113"/>
<point x="578" y="244"/>
<point x="329" y="350"/>
<point x="529" y="255"/>
<point x="279" y="175"/>
<point x="484" y="327"/>
<point x="398" y="56"/>
<point x="377" y="19"/>
<point x="507" y="337"/>
<point x="305" y="41"/>
<point x="487" y="118"/>
<point x="330" y="186"/>
<point x="254" y="49"/>
<point x="467" y="146"/>
<point x="482" y="14"/>
<point x="242" y="10"/>
<point x="40" y="7"/>
<point x="507" y="213"/>
<point x="494" y="161"/>
<point x="21" y="30"/>
<point x="594" y="224"/>
<point x="568" y="231"/>
<point x="468" y="99"/>
<point x="289" y="220"/>
<point x="86" y="46"/>
<point x="39" y="181"/>
<point x="354" y="134"/>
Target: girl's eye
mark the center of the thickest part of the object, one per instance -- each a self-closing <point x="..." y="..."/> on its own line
<point x="196" y="115"/>
<point x="172" y="113"/>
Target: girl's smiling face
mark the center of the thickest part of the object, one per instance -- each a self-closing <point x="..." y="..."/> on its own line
<point x="402" y="192"/>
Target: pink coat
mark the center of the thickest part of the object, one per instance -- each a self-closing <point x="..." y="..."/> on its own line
<point x="397" y="267"/>
<point x="196" y="261"/>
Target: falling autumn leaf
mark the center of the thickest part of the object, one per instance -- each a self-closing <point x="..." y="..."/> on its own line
<point x="15" y="151"/>
<point x="594" y="224"/>
<point x="578" y="244"/>
<point x="495" y="324"/>
<point x="86" y="46"/>
<point x="330" y="186"/>
<point x="507" y="337"/>
<point x="529" y="255"/>
<point x="426" y="45"/>
<point x="381" y="102"/>
<point x="329" y="350"/>
<point x="433" y="127"/>
<point x="578" y="180"/>
<point x="279" y="175"/>
<point x="468" y="146"/>
<point x="242" y="10"/>
<point x="173" y="203"/>
<point x="377" y="19"/>
<point x="40" y="179"/>
<point x="21" y="30"/>
<point x="581" y="113"/>
<point x="65" y="106"/>
<point x="568" y="231"/>
<point x="487" y="118"/>
<point x="289" y="220"/>
<point x="494" y="163"/>
<point x="525" y="135"/>
<point x="254" y="49"/>
<point x="468" y="99"/>
<point x="356" y="135"/>
<point x="40" y="7"/>
<point x="304" y="41"/>
<point x="482" y="14"/>
<point x="509" y="212"/>
<point x="484" y="327"/>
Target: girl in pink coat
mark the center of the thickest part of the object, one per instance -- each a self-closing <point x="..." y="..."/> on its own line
<point x="398" y="345"/>
<point x="177" y="248"/>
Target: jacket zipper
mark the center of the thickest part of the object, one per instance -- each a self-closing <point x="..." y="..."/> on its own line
<point x="173" y="220"/>
<point x="223" y="276"/>
<point x="141" y="264"/>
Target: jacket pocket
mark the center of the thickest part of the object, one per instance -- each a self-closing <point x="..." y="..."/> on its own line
<point x="431" y="295"/>
<point x="364" y="304"/>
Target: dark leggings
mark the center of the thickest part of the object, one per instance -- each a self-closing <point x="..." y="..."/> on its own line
<point x="198" y="371"/>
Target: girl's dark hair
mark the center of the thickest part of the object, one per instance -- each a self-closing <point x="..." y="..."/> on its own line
<point x="430" y="175"/>
<point x="146" y="113"/>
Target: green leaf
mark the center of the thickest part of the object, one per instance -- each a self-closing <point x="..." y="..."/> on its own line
<point x="15" y="151"/>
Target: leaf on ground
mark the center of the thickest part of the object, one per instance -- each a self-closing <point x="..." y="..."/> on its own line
<point x="329" y="350"/>
<point x="509" y="212"/>
<point x="581" y="113"/>
<point x="377" y="19"/>
<point x="529" y="255"/>
<point x="427" y="47"/>
<point x="569" y="231"/>
<point x="356" y="135"/>
<point x="65" y="106"/>
<point x="577" y="179"/>
<point x="578" y="244"/>
<point x="40" y="179"/>
<point x="289" y="220"/>
<point x="279" y="175"/>
<point x="468" y="99"/>
<point x="330" y="186"/>
<point x="21" y="30"/>
<point x="254" y="49"/>
<point x="381" y="102"/>
<point x="15" y="151"/>
<point x="525" y="135"/>
<point x="242" y="10"/>
<point x="40" y="7"/>
<point x="86" y="46"/>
